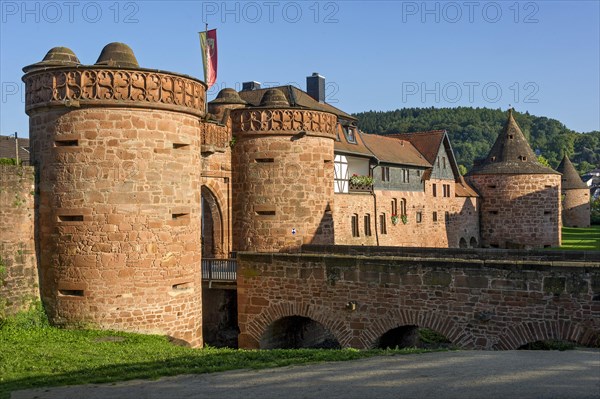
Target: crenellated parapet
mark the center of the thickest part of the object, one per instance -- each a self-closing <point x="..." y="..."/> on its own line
<point x="283" y="121"/>
<point x="101" y="86"/>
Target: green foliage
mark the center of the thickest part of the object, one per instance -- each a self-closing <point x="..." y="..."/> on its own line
<point x="361" y="180"/>
<point x="549" y="345"/>
<point x="462" y="169"/>
<point x="595" y="211"/>
<point x="47" y="356"/>
<point x="542" y="160"/>
<point x="8" y="161"/>
<point x="473" y="131"/>
<point x="428" y="336"/>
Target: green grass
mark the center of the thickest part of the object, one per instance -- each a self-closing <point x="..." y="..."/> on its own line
<point x="33" y="354"/>
<point x="581" y="239"/>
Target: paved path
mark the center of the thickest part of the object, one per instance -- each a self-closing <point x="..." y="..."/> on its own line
<point x="464" y="375"/>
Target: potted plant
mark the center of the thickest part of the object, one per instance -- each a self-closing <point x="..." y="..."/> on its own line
<point x="395" y="219"/>
<point x="404" y="219"/>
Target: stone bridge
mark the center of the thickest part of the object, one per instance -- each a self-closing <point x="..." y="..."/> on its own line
<point x="478" y="299"/>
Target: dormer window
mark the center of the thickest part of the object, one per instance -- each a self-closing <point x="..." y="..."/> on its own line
<point x="493" y="159"/>
<point x="522" y="158"/>
<point x="511" y="136"/>
<point x="350" y="133"/>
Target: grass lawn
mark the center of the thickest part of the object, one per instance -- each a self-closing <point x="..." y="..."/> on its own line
<point x="33" y="354"/>
<point x="582" y="239"/>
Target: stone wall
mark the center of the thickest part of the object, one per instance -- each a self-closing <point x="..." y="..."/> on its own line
<point x="457" y="218"/>
<point x="282" y="179"/>
<point x="475" y="303"/>
<point x="18" y="267"/>
<point x="519" y="211"/>
<point x="576" y="208"/>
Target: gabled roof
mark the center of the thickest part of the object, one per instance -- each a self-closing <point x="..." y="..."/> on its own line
<point x="343" y="146"/>
<point x="570" y="178"/>
<point x="427" y="143"/>
<point x="394" y="151"/>
<point x="7" y="148"/>
<point x="511" y="154"/>
<point x="296" y="98"/>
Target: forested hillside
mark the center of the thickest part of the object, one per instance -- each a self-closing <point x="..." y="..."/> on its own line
<point x="473" y="131"/>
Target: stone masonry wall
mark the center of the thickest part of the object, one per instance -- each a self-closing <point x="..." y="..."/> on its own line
<point x="18" y="267"/>
<point x="457" y="218"/>
<point x="119" y="218"/>
<point x="519" y="210"/>
<point x="477" y="304"/>
<point x="576" y="208"/>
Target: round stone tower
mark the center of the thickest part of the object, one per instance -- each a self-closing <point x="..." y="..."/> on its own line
<point x="520" y="198"/>
<point x="117" y="153"/>
<point x="282" y="165"/>
<point x="575" y="196"/>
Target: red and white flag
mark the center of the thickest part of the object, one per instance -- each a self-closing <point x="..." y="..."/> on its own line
<point x="208" y="42"/>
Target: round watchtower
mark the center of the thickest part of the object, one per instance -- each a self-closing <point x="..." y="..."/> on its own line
<point x="520" y="198"/>
<point x="117" y="153"/>
<point x="282" y="165"/>
<point x="575" y="196"/>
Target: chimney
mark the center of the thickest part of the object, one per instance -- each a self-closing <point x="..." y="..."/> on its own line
<point x="249" y="86"/>
<point x="315" y="87"/>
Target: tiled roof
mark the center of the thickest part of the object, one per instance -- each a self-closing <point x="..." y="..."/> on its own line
<point x="463" y="189"/>
<point x="392" y="150"/>
<point x="296" y="98"/>
<point x="343" y="146"/>
<point x="511" y="154"/>
<point x="7" y="148"/>
<point x="427" y="143"/>
<point x="570" y="178"/>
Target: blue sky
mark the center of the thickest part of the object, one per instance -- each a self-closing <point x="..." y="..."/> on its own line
<point x="538" y="56"/>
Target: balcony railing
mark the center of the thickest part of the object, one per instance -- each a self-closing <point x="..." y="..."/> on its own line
<point x="224" y="270"/>
<point x="359" y="188"/>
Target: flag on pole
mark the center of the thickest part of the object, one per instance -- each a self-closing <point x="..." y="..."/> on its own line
<point x="208" y="42"/>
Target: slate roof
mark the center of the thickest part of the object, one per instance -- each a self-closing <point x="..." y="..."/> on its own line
<point x="296" y="98"/>
<point x="7" y="148"/>
<point x="570" y="178"/>
<point x="511" y="154"/>
<point x="343" y="146"/>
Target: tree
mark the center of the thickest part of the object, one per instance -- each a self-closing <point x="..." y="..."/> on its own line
<point x="543" y="161"/>
<point x="462" y="170"/>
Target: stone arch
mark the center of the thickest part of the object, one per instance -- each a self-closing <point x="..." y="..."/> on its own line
<point x="434" y="321"/>
<point x="296" y="332"/>
<point x="473" y="242"/>
<point x="214" y="222"/>
<point x="462" y="243"/>
<point x="251" y="337"/>
<point x="513" y="337"/>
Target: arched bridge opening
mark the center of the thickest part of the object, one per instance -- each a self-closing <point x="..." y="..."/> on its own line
<point x="296" y="332"/>
<point x="411" y="336"/>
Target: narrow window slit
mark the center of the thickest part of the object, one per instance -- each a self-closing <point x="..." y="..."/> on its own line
<point x="264" y="160"/>
<point x="177" y="146"/>
<point x="78" y="293"/>
<point x="182" y="286"/>
<point x="178" y="216"/>
<point x="70" y="218"/>
<point x="66" y="143"/>
<point x="265" y="213"/>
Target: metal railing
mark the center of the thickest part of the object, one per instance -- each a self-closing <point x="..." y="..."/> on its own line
<point x="219" y="269"/>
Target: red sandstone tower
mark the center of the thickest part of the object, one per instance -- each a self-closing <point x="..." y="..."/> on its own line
<point x="520" y="204"/>
<point x="576" y="196"/>
<point x="282" y="166"/>
<point x="117" y="153"/>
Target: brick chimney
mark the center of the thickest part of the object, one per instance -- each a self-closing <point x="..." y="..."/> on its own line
<point x="315" y="87"/>
<point x="248" y="86"/>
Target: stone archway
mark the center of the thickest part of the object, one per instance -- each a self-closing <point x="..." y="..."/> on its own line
<point x="212" y="226"/>
<point x="295" y="332"/>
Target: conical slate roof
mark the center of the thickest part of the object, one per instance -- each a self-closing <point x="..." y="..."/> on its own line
<point x="511" y="154"/>
<point x="570" y="178"/>
<point x="118" y="55"/>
